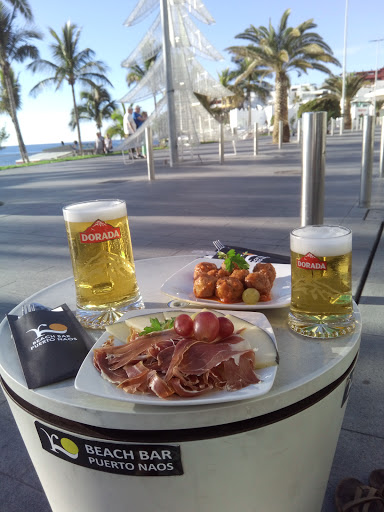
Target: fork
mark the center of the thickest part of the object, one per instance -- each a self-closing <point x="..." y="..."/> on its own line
<point x="33" y="306"/>
<point x="218" y="245"/>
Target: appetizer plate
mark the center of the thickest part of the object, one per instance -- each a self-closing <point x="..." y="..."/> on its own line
<point x="180" y="286"/>
<point x="89" y="380"/>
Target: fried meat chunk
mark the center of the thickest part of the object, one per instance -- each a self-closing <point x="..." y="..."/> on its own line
<point x="229" y="289"/>
<point x="240" y="274"/>
<point x="235" y="266"/>
<point x="260" y="281"/>
<point x="204" y="286"/>
<point x="268" y="268"/>
<point x="203" y="268"/>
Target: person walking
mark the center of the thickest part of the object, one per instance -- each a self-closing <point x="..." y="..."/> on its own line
<point x="129" y="126"/>
<point x="107" y="144"/>
<point x="99" y="143"/>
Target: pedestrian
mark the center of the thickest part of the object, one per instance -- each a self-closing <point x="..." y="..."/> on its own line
<point x="138" y="120"/>
<point x="137" y="117"/>
<point x="128" y="123"/>
<point x="107" y="144"/>
<point x="99" y="143"/>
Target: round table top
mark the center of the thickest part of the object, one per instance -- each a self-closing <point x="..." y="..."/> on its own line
<point x="306" y="367"/>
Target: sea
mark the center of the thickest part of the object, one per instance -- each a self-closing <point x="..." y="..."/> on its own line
<point x="9" y="154"/>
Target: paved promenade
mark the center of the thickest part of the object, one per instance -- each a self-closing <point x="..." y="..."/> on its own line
<point x="248" y="201"/>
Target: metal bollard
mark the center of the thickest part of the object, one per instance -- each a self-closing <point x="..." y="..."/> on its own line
<point x="313" y="157"/>
<point x="234" y="133"/>
<point x="367" y="161"/>
<point x="256" y="139"/>
<point x="221" y="143"/>
<point x="341" y="125"/>
<point x="150" y="161"/>
<point x="298" y="135"/>
<point x="281" y="127"/>
<point x="381" y="166"/>
<point x="332" y="127"/>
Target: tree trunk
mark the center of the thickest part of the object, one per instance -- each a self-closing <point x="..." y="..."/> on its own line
<point x="12" y="105"/>
<point x="77" y="120"/>
<point x="347" y="116"/>
<point x="281" y="107"/>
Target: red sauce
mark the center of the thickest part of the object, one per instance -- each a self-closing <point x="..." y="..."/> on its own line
<point x="263" y="298"/>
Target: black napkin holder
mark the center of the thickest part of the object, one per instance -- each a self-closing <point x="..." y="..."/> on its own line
<point x="51" y="345"/>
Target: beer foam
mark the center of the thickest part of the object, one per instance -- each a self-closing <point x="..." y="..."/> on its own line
<point x="321" y="240"/>
<point x="90" y="211"/>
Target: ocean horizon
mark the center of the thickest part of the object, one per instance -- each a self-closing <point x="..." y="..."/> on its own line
<point x="9" y="154"/>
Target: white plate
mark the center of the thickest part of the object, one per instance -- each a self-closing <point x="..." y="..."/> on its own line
<point x="180" y="286"/>
<point x="89" y="380"/>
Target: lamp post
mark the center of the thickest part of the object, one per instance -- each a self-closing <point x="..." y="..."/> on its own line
<point x="377" y="41"/>
<point x="342" y="105"/>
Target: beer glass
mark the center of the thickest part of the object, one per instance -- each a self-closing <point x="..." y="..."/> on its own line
<point x="102" y="260"/>
<point x="321" y="264"/>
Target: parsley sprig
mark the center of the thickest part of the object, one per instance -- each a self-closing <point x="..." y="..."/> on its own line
<point x="230" y="258"/>
<point x="156" y="325"/>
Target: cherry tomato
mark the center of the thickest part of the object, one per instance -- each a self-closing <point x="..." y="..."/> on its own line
<point x="226" y="327"/>
<point x="206" y="326"/>
<point x="183" y="325"/>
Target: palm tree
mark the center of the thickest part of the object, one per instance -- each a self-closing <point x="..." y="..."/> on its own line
<point x="71" y="65"/>
<point x="15" y="46"/>
<point x="117" y="128"/>
<point x="251" y="83"/>
<point x="23" y="7"/>
<point x="5" y="105"/>
<point x="226" y="78"/>
<point x="281" y="51"/>
<point x="3" y="136"/>
<point x="97" y="105"/>
<point x="353" y="82"/>
<point x="327" y="103"/>
<point x="136" y="72"/>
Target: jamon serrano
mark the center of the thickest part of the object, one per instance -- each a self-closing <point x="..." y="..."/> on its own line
<point x="164" y="364"/>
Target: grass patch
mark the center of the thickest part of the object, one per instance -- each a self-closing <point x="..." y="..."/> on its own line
<point x="56" y="160"/>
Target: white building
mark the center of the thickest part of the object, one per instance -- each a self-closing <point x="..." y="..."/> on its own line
<point x="262" y="114"/>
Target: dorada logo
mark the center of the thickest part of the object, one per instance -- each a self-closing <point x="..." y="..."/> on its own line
<point x="99" y="232"/>
<point x="50" y="329"/>
<point x="311" y="262"/>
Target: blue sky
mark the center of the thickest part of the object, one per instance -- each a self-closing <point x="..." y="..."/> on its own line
<point x="45" y="119"/>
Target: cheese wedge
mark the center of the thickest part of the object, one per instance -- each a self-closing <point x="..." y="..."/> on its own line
<point x="265" y="349"/>
<point x="176" y="312"/>
<point x="138" y="323"/>
<point x="120" y="331"/>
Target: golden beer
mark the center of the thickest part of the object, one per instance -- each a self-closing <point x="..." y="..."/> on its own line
<point x="321" y="281"/>
<point x="102" y="260"/>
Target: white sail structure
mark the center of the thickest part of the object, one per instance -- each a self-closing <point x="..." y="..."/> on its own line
<point x="192" y="122"/>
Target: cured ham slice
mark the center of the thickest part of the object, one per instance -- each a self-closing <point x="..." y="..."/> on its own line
<point x="138" y="346"/>
<point x="166" y="364"/>
<point x="204" y="356"/>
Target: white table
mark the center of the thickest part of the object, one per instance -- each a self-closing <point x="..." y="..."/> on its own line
<point x="275" y="450"/>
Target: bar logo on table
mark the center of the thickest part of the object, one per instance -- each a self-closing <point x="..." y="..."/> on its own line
<point x="311" y="262"/>
<point x="99" y="232"/>
<point x="118" y="458"/>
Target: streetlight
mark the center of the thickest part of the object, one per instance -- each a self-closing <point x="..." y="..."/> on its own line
<point x="342" y="106"/>
<point x="377" y="41"/>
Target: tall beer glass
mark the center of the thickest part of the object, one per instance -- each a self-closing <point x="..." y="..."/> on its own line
<point x="102" y="260"/>
<point x="321" y="264"/>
